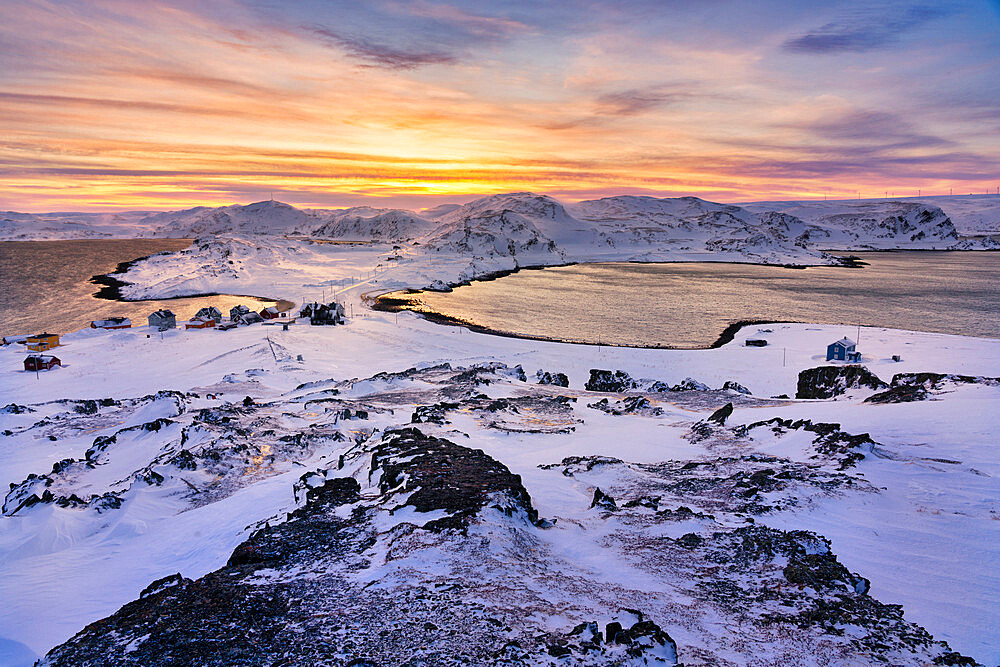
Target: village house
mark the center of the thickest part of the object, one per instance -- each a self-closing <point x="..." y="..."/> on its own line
<point x="270" y="313"/>
<point x="319" y="313"/>
<point x="112" y="323"/>
<point x="163" y="320"/>
<point x="41" y="362"/>
<point x="842" y="350"/>
<point x="10" y="340"/>
<point x="43" y="341"/>
<point x="251" y="318"/>
<point x="209" y="312"/>
<point x="237" y="312"/>
<point x="200" y="323"/>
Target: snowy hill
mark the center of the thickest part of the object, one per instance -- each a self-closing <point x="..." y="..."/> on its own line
<point x="872" y="225"/>
<point x="264" y="217"/>
<point x="364" y="223"/>
<point x="688" y="223"/>
<point x="971" y="215"/>
<point x="16" y="226"/>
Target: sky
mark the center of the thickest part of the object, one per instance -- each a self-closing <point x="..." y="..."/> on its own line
<point x="114" y="104"/>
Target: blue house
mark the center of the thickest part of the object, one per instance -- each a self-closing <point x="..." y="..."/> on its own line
<point x="842" y="350"/>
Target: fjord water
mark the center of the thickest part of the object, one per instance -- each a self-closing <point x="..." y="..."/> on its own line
<point x="45" y="285"/>
<point x="688" y="305"/>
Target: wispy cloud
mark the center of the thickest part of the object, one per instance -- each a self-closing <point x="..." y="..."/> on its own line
<point x="381" y="55"/>
<point x="866" y="30"/>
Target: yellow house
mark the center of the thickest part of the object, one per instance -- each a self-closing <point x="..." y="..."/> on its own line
<point x="42" y="342"/>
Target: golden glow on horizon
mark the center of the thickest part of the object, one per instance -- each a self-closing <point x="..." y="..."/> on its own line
<point x="114" y="105"/>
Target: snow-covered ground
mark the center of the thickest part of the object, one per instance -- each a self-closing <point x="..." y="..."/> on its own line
<point x="923" y="529"/>
<point x="206" y="434"/>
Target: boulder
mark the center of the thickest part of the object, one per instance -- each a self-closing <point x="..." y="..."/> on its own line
<point x="722" y="414"/>
<point x="690" y="384"/>
<point x="831" y="381"/>
<point x="610" y="381"/>
<point x="556" y="379"/>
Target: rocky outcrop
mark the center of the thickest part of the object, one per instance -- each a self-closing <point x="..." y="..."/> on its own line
<point x="556" y="379"/>
<point x="690" y="384"/>
<point x="440" y="475"/>
<point x="609" y="381"/>
<point x="722" y="414"/>
<point x="734" y="386"/>
<point x="832" y="381"/>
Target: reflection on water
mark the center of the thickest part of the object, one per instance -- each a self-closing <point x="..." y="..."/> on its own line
<point x="44" y="285"/>
<point x="689" y="304"/>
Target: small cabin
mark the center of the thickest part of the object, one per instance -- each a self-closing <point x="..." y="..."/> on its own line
<point x="163" y="320"/>
<point x="323" y="313"/>
<point x="270" y="313"/>
<point x="226" y="326"/>
<point x="10" y="340"/>
<point x="236" y="313"/>
<point x="43" y="341"/>
<point x="112" y="323"/>
<point x="200" y="323"/>
<point x="208" y="313"/>
<point x="41" y="362"/>
<point x="842" y="350"/>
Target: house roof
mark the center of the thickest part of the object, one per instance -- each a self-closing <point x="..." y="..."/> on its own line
<point x="43" y="335"/>
<point x="845" y="342"/>
<point x="162" y="313"/>
<point x="44" y="358"/>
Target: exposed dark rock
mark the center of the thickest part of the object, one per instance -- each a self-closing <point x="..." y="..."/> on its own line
<point x="732" y="385"/>
<point x="934" y="380"/>
<point x="690" y="384"/>
<point x="557" y="379"/>
<point x="15" y="409"/>
<point x="609" y="381"/>
<point x="163" y="584"/>
<point x="900" y="394"/>
<point x="440" y="475"/>
<point x="432" y="414"/>
<point x="626" y="406"/>
<point x="722" y="414"/>
<point x="830" y="440"/>
<point x="604" y="501"/>
<point x="830" y="381"/>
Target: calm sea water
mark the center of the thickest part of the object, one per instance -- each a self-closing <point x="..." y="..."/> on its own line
<point x="688" y="305"/>
<point x="44" y="285"/>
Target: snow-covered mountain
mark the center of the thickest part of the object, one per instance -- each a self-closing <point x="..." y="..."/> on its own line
<point x="971" y="215"/>
<point x="524" y="222"/>
<point x="690" y="223"/>
<point x="264" y="217"/>
<point x="872" y="225"/>
<point x="363" y="223"/>
<point x="16" y="226"/>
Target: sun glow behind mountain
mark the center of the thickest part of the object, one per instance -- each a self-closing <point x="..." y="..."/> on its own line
<point x="110" y="104"/>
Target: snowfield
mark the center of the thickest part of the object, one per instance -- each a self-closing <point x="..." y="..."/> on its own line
<point x="177" y="469"/>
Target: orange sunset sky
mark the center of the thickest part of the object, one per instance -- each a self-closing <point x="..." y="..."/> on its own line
<point x="157" y="105"/>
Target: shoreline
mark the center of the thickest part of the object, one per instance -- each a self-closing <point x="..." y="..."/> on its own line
<point x="110" y="289"/>
<point x="387" y="303"/>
